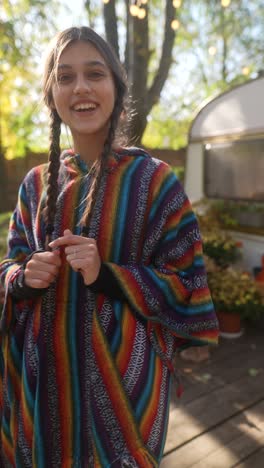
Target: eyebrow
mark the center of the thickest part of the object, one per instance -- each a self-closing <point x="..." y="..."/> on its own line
<point x="91" y="63"/>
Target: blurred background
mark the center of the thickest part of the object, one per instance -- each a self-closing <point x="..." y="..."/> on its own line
<point x="180" y="55"/>
<point x="177" y="55"/>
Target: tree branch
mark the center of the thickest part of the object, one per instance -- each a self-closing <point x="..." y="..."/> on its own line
<point x="165" y="60"/>
<point x="110" y="21"/>
<point x="126" y="62"/>
<point x="140" y="46"/>
<point x="138" y="59"/>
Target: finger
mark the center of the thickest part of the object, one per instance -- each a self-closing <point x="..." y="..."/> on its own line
<point x="85" y="263"/>
<point x="81" y="249"/>
<point x="67" y="232"/>
<point x="47" y="257"/>
<point x="73" y="258"/>
<point x="35" y="265"/>
<point x="70" y="239"/>
<point x="88" y="271"/>
<point x="37" y="284"/>
<point x="56" y="252"/>
<point x="56" y="258"/>
<point x="80" y="264"/>
<point x="48" y="276"/>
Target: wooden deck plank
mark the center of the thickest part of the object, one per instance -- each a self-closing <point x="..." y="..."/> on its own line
<point x="227" y="444"/>
<point x="219" y="395"/>
<point x="254" y="461"/>
<point x="199" y="379"/>
<point x="187" y="422"/>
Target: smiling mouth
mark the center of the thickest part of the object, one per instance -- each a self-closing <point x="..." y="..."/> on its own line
<point x="85" y="107"/>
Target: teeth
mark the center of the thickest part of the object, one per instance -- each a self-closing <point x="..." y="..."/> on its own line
<point x="84" y="106"/>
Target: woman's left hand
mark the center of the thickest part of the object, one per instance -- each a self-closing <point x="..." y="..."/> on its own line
<point x="81" y="253"/>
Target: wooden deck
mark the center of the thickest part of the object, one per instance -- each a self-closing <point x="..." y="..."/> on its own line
<point x="219" y="420"/>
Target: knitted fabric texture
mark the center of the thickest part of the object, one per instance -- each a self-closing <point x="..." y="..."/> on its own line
<point x="85" y="378"/>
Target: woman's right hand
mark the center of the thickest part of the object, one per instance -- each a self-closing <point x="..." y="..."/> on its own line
<point x="42" y="269"/>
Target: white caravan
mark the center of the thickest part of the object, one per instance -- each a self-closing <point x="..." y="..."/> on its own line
<point x="225" y="156"/>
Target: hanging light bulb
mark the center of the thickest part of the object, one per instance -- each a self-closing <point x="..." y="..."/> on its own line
<point x="225" y="3"/>
<point x="176" y="3"/>
<point x="134" y="10"/>
<point x="106" y="1"/>
<point x="212" y="50"/>
<point x="141" y="13"/>
<point x="175" y="24"/>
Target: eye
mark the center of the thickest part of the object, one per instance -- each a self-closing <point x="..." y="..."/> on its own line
<point x="64" y="78"/>
<point x="96" y="75"/>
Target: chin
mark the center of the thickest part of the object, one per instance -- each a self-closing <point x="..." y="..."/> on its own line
<point x="96" y="130"/>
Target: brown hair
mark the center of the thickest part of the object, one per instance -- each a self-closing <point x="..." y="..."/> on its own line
<point x="61" y="41"/>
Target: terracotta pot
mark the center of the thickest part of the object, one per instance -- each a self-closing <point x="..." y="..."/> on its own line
<point x="229" y="324"/>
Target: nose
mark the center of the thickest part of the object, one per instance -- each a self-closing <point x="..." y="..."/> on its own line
<point x="82" y="85"/>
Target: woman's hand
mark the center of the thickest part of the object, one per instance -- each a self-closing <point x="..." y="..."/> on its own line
<point x="42" y="269"/>
<point x="81" y="253"/>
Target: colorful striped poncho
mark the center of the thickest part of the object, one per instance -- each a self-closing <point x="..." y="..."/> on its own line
<point x="85" y="378"/>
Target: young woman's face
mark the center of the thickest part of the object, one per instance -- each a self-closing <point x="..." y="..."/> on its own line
<point x="84" y="91"/>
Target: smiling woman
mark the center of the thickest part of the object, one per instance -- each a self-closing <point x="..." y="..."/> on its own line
<point x="104" y="281"/>
<point x="83" y="95"/>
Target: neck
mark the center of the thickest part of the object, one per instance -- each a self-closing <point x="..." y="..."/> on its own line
<point x="89" y="148"/>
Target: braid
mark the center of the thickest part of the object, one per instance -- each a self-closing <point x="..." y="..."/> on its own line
<point x="99" y="167"/>
<point x="53" y="170"/>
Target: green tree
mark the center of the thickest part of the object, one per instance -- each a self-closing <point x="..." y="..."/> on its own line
<point x="24" y="26"/>
<point x="171" y="71"/>
<point x="147" y="69"/>
<point x="226" y="42"/>
<point x="216" y="48"/>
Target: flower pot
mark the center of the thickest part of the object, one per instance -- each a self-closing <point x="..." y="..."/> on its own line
<point x="229" y="324"/>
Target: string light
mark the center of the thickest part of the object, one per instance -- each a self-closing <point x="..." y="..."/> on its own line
<point x="175" y="24"/>
<point x="225" y="3"/>
<point x="106" y="1"/>
<point x="134" y="10"/>
<point x="212" y="50"/>
<point x="141" y="13"/>
<point x="176" y="3"/>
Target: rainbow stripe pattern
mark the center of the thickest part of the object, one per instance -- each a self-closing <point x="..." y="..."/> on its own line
<point x="85" y="379"/>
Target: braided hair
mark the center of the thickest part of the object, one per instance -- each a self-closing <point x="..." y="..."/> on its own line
<point x="53" y="171"/>
<point x="61" y="41"/>
<point x="99" y="168"/>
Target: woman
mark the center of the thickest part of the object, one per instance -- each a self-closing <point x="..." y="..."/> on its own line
<point x="104" y="280"/>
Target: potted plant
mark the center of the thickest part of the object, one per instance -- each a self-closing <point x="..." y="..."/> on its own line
<point x="247" y="213"/>
<point x="236" y="296"/>
<point x="217" y="243"/>
<point x="221" y="247"/>
<point x="240" y="214"/>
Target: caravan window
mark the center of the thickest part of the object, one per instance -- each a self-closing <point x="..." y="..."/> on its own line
<point x="235" y="170"/>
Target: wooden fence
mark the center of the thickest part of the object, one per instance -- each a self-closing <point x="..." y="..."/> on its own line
<point x="16" y="169"/>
